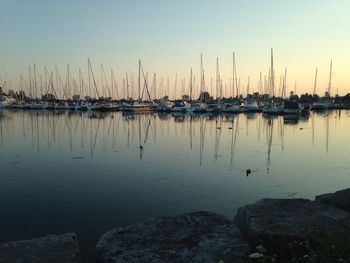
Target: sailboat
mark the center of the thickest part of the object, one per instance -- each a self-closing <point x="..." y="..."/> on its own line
<point x="291" y="107"/>
<point x="7" y="102"/>
<point x="270" y="107"/>
<point x="323" y="104"/>
<point x="250" y="104"/>
<point x="140" y="105"/>
<point x="234" y="107"/>
<point x="202" y="106"/>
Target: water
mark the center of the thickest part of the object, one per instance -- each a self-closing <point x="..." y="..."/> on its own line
<point x="88" y="173"/>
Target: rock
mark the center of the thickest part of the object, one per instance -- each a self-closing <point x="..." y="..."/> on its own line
<point x="256" y="255"/>
<point x="54" y="249"/>
<point x="194" y="237"/>
<point x="260" y="249"/>
<point x="276" y="222"/>
<point x="340" y="199"/>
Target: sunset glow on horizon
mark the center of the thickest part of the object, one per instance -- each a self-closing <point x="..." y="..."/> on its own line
<point x="170" y="36"/>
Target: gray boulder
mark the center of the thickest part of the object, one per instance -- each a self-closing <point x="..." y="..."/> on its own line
<point x="340" y="199"/>
<point x="194" y="237"/>
<point x="275" y="222"/>
<point x="51" y="249"/>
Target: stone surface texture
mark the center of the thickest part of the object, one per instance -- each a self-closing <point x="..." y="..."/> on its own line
<point x="340" y="199"/>
<point x="275" y="222"/>
<point x="194" y="237"/>
<point x="51" y="249"/>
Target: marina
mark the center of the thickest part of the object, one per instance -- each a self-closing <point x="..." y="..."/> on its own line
<point x="149" y="99"/>
<point x="174" y="131"/>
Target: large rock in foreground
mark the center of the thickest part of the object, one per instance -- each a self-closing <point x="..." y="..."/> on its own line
<point x="50" y="249"/>
<point x="276" y="222"/>
<point x="340" y="199"/>
<point x="195" y="237"/>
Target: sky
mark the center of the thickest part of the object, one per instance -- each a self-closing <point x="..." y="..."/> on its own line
<point x="169" y="37"/>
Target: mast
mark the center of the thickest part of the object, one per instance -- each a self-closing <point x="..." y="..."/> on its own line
<point x="104" y="77"/>
<point x="239" y="86"/>
<point x="284" y="83"/>
<point x="272" y="75"/>
<point x="315" y="83"/>
<point x="191" y="86"/>
<point x="127" y="86"/>
<point x="115" y="84"/>
<point x="202" y="76"/>
<point x="102" y="84"/>
<point x="145" y="78"/>
<point x="80" y="84"/>
<point x="139" y="80"/>
<point x="21" y="87"/>
<point x="217" y="79"/>
<point x="248" y="85"/>
<point x="68" y="90"/>
<point x="234" y="77"/>
<point x="155" y="86"/>
<point x="175" y="87"/>
<point x="330" y="80"/>
<point x="260" y="84"/>
<point x="30" y="83"/>
<point x="45" y="83"/>
<point x="112" y="84"/>
<point x="41" y="86"/>
<point x="35" y="86"/>
<point x="93" y="77"/>
<point x="280" y="86"/>
<point x="201" y="88"/>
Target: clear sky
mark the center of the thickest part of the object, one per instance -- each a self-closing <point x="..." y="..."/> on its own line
<point x="169" y="36"/>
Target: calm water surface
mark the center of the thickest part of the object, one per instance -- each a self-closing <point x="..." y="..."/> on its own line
<point x="88" y="173"/>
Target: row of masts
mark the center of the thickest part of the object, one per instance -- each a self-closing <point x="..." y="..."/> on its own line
<point x="106" y="86"/>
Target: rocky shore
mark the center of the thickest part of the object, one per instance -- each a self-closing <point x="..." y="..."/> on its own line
<point x="270" y="230"/>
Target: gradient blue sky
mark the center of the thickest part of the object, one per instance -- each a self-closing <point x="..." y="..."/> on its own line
<point x="169" y="37"/>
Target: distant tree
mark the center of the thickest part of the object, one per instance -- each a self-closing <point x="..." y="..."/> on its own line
<point x="204" y="96"/>
<point x="265" y="97"/>
<point x="21" y="95"/>
<point x="307" y="98"/>
<point x="346" y="98"/>
<point x="11" y="93"/>
<point x="48" y="97"/>
<point x="337" y="99"/>
<point x="76" y="97"/>
<point x="256" y="95"/>
<point x="293" y="96"/>
<point x="185" y="97"/>
<point x="315" y="97"/>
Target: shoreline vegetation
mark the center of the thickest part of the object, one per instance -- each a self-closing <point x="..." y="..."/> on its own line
<point x="270" y="230"/>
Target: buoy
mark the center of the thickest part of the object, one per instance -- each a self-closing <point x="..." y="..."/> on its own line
<point x="248" y="171"/>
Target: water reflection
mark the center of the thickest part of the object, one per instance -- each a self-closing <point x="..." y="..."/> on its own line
<point x="90" y="130"/>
